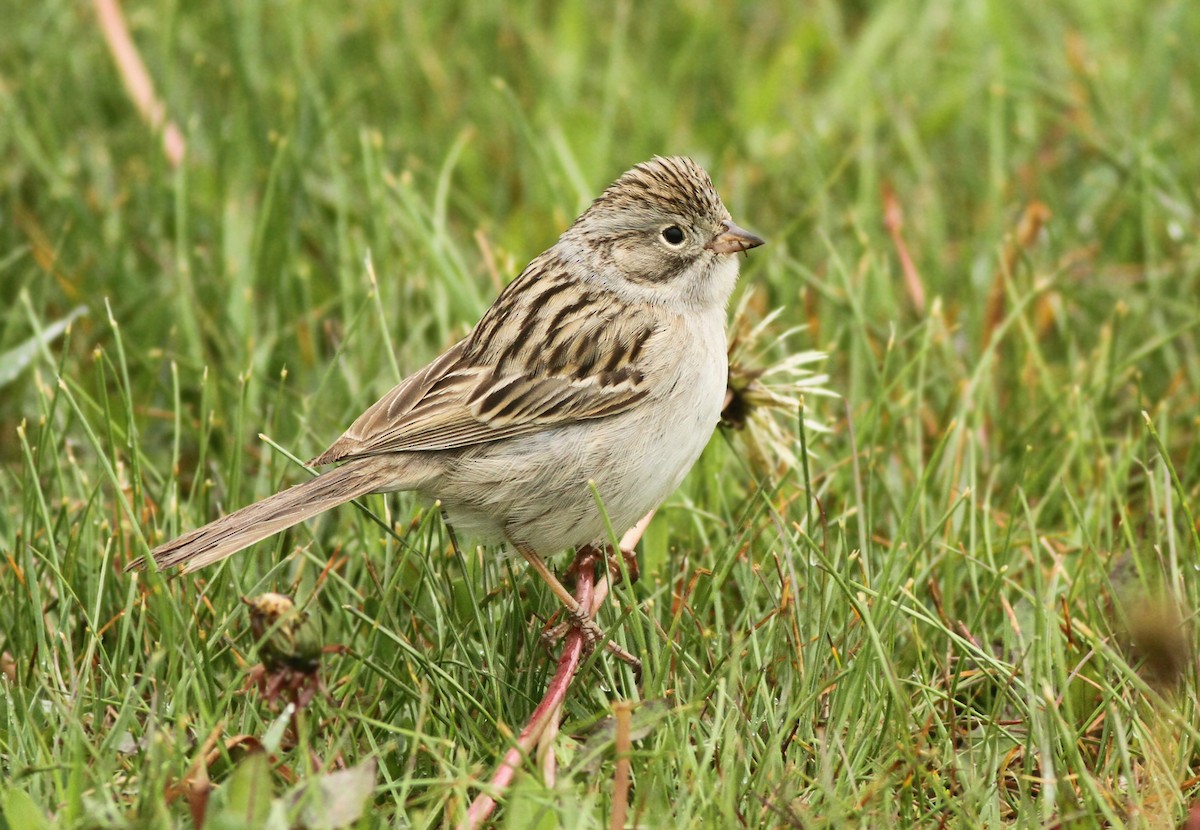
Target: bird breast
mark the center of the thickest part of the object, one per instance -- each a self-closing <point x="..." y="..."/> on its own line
<point x="536" y="489"/>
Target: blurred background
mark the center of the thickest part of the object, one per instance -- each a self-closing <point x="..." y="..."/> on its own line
<point x="985" y="213"/>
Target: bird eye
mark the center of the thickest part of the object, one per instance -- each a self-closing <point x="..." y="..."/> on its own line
<point x="673" y="235"/>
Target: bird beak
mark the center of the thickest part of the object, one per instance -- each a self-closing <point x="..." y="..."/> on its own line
<point x="733" y="240"/>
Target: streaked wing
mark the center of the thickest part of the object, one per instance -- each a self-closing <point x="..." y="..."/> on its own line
<point x="548" y="352"/>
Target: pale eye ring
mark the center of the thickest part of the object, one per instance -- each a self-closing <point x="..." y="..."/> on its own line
<point x="673" y="235"/>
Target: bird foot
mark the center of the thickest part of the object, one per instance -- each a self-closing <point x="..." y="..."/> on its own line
<point x="592" y="634"/>
<point x="586" y="555"/>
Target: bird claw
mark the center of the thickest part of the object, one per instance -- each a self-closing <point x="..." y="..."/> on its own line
<point x="592" y="634"/>
<point x="610" y="553"/>
<point x="631" y="565"/>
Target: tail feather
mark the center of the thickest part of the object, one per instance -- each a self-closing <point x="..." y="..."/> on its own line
<point x="253" y="523"/>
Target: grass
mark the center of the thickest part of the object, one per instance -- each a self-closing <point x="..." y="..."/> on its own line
<point x="980" y="613"/>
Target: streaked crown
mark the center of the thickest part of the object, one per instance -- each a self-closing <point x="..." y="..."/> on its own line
<point x="663" y="185"/>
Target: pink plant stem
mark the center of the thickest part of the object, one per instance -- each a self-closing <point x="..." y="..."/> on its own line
<point x="546" y="712"/>
<point x="544" y="720"/>
<point x="634" y="534"/>
<point x="137" y="80"/>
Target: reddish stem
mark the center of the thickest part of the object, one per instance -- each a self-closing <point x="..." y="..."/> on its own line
<point x="547" y="710"/>
<point x="545" y="716"/>
<point x="137" y="80"/>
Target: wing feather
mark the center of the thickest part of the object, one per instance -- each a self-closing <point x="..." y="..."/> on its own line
<point x="497" y="384"/>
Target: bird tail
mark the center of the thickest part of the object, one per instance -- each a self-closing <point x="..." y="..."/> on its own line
<point x="242" y="528"/>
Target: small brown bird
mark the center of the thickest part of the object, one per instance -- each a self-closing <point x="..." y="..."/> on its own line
<point x="604" y="362"/>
